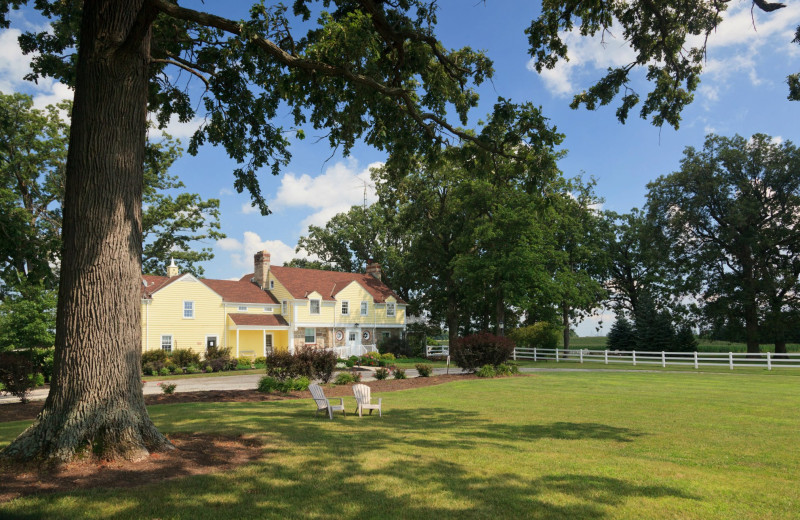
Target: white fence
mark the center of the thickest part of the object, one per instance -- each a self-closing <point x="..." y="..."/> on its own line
<point x="663" y="359"/>
<point x="437" y="350"/>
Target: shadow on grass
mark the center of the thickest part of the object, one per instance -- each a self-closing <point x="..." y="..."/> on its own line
<point x="334" y="469"/>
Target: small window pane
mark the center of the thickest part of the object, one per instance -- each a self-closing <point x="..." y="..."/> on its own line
<point x="243" y="308"/>
<point x="311" y="335"/>
<point x="352" y="336"/>
<point x="345" y="308"/>
<point x="188" y="309"/>
<point x="166" y="343"/>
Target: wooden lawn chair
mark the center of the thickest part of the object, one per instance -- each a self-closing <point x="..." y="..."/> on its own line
<point x="362" y="393"/>
<point x="323" y="403"/>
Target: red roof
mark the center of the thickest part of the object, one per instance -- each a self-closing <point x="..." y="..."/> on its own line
<point x="301" y="282"/>
<point x="230" y="290"/>
<point x="265" y="320"/>
<point x="240" y="291"/>
<point x="151" y="284"/>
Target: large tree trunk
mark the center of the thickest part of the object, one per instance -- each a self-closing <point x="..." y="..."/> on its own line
<point x="500" y="312"/>
<point x="750" y="307"/>
<point x="96" y="399"/>
<point x="565" y="324"/>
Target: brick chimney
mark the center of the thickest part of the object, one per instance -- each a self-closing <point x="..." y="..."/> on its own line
<point x="261" y="268"/>
<point x="374" y="268"/>
<point x="172" y="269"/>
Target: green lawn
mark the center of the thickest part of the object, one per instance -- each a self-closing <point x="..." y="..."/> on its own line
<point x="554" y="445"/>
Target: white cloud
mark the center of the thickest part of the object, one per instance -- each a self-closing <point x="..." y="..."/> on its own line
<point x="177" y="129"/>
<point x="336" y="190"/>
<point x="15" y="65"/>
<point x="241" y="251"/>
<point x="225" y="191"/>
<point x="248" y="208"/>
<point x="708" y="129"/>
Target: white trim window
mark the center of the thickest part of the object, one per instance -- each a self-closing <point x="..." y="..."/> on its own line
<point x="242" y="308"/>
<point x="390" y="309"/>
<point x="313" y="306"/>
<point x="188" y="309"/>
<point x="364" y="308"/>
<point x="166" y="342"/>
<point x="285" y="307"/>
<point x="272" y="284"/>
<point x="345" y="308"/>
<point x="311" y="335"/>
<point x="212" y="340"/>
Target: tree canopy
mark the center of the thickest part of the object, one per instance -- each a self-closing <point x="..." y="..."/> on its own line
<point x="668" y="37"/>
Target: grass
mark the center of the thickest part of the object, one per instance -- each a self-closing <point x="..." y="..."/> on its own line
<point x="556" y="445"/>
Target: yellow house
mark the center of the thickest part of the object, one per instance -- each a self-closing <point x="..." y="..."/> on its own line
<point x="272" y="308"/>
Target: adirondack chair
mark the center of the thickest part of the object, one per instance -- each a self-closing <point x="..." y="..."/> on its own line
<point x="323" y="403"/>
<point x="363" y="399"/>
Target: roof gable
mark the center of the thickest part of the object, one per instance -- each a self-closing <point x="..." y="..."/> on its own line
<point x="229" y="290"/>
<point x="301" y="282"/>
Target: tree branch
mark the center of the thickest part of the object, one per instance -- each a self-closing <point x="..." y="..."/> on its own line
<point x="182" y="66"/>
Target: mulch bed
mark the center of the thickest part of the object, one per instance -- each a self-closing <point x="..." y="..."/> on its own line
<point x="196" y="454"/>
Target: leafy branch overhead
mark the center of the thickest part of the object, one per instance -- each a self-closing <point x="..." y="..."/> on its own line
<point x="367" y="69"/>
<point x="669" y="39"/>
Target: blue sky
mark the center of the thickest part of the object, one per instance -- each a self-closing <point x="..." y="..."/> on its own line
<point x="743" y="91"/>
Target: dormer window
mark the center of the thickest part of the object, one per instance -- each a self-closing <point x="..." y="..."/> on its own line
<point x="390" y="309"/>
<point x="313" y="306"/>
<point x="242" y="308"/>
<point x="272" y="284"/>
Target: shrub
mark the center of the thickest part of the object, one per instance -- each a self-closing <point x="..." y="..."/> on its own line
<point x="399" y="373"/>
<point x="301" y="383"/>
<point x="381" y="374"/>
<point x="156" y="359"/>
<point x="17" y="375"/>
<point x="541" y="334"/>
<point x="356" y="377"/>
<point x="43" y="362"/>
<point x="424" y="370"/>
<point x="395" y="345"/>
<point x="164" y="371"/>
<point x="388" y="356"/>
<point x="260" y="362"/>
<point x="193" y="369"/>
<point x="370" y="359"/>
<point x="343" y="378"/>
<point x="168" y="388"/>
<point x="269" y="384"/>
<point x="349" y="363"/>
<point x="220" y="358"/>
<point x="149" y="369"/>
<point x="172" y="367"/>
<point x="486" y="371"/>
<point x="183" y="357"/>
<point x="504" y="369"/>
<point x="472" y="352"/>
<point x="684" y="340"/>
<point x="244" y="363"/>
<point x="317" y="363"/>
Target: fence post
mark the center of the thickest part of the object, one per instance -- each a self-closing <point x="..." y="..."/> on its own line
<point x="605" y="356"/>
<point x="769" y="360"/>
<point x="730" y="359"/>
<point x="534" y="355"/>
<point x="634" y="358"/>
<point x="448" y="365"/>
<point x="695" y="359"/>
<point x="515" y="354"/>
<point x="556" y="355"/>
<point x="663" y="360"/>
<point x="581" y="355"/>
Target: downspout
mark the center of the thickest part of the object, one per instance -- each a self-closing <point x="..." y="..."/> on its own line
<point x="146" y="326"/>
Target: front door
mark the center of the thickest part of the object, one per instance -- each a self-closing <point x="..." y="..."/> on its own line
<point x="352" y="342"/>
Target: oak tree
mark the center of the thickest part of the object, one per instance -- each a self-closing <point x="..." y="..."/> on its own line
<point x="363" y="69"/>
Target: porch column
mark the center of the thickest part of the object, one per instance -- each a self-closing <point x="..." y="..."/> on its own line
<point x="237" y="343"/>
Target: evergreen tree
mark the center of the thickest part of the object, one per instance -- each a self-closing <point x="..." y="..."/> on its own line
<point x="622" y="336"/>
<point x="685" y="340"/>
<point x="654" y="330"/>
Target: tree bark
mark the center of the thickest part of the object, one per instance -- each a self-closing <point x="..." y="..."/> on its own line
<point x="96" y="400"/>
<point x="750" y="304"/>
<point x="565" y="323"/>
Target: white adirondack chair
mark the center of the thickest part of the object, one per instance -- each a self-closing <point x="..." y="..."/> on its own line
<point x="323" y="403"/>
<point x="362" y="393"/>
